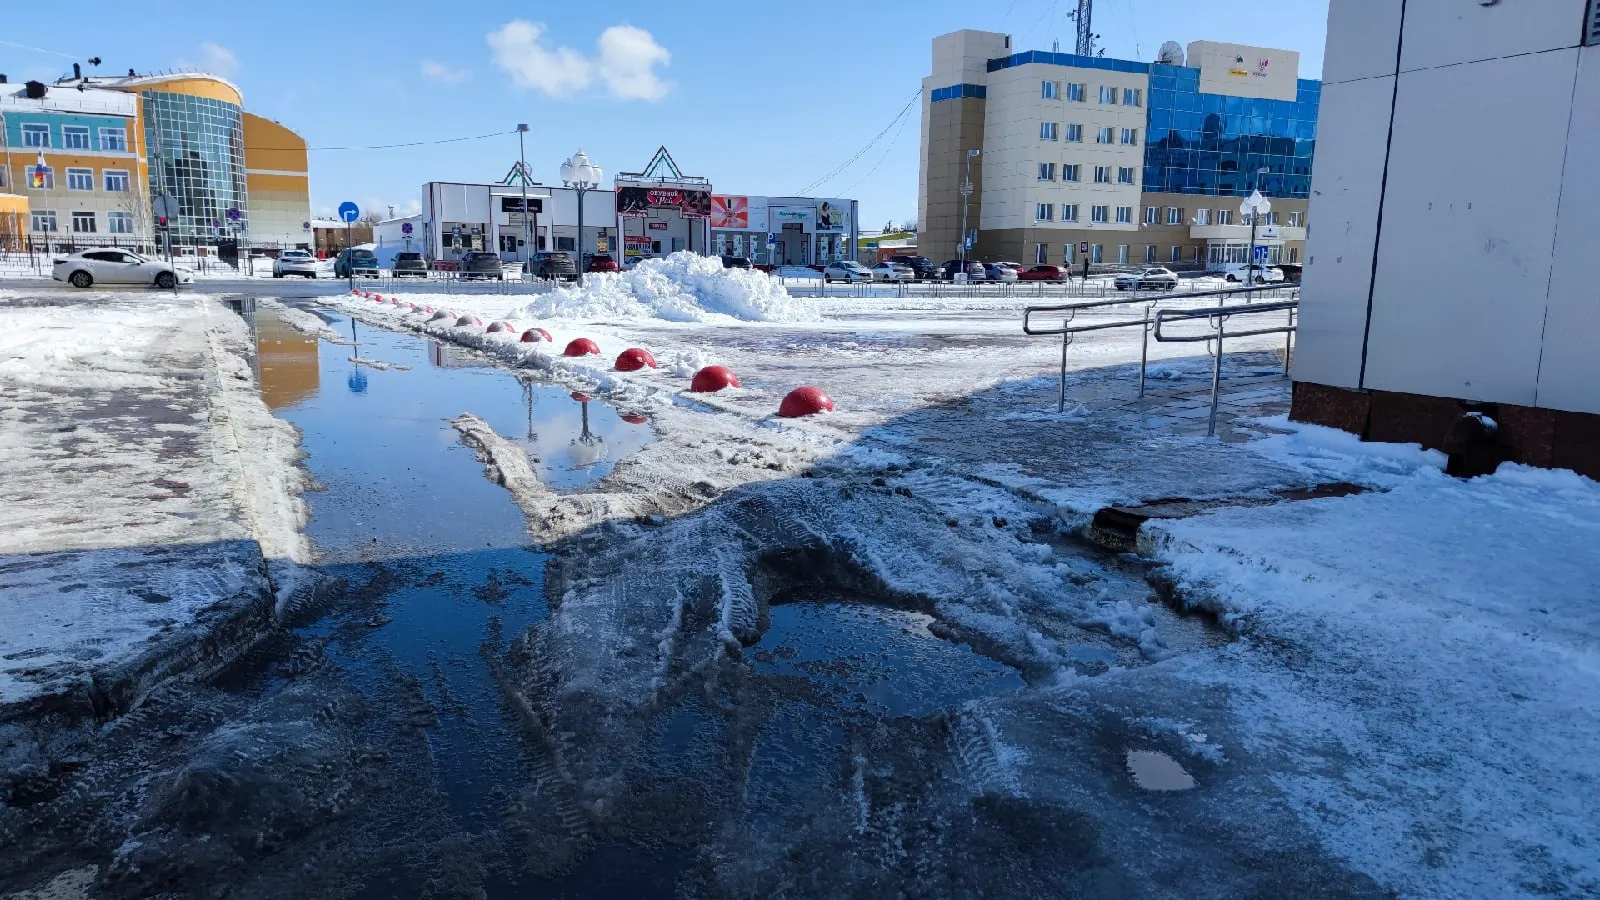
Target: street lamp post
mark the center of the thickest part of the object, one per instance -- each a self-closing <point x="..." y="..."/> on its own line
<point x="1255" y="206"/>
<point x="522" y="156"/>
<point x="966" y="194"/>
<point x="582" y="176"/>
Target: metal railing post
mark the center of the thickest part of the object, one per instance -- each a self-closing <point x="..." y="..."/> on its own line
<point x="1216" y="381"/>
<point x="1061" y="393"/>
<point x="1288" y="343"/>
<point x="1144" y="348"/>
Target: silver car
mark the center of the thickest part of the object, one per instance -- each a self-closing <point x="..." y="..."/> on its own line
<point x="109" y="265"/>
<point x="294" y="262"/>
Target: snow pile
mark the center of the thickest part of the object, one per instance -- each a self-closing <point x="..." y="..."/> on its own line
<point x="683" y="287"/>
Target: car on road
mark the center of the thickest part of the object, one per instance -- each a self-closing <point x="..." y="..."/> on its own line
<point x="1250" y="273"/>
<point x="846" y="270"/>
<point x="602" y="262"/>
<point x="1291" y="272"/>
<point x="999" y="272"/>
<point x="1043" y="273"/>
<point x="409" y="264"/>
<point x="893" y="271"/>
<point x="1154" y="278"/>
<point x="736" y="262"/>
<point x="974" y="269"/>
<point x="481" y="264"/>
<point x="358" y="262"/>
<point x="295" y="262"/>
<point x="109" y="265"/>
<point x="552" y="264"/>
<point x="922" y="266"/>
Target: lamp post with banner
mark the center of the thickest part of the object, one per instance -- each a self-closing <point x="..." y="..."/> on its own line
<point x="966" y="194"/>
<point x="522" y="156"/>
<point x="1255" y="206"/>
<point x="582" y="176"/>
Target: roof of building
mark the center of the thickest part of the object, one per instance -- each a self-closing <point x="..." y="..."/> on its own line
<point x="91" y="100"/>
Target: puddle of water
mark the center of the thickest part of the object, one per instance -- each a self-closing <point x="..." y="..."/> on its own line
<point x="1156" y="771"/>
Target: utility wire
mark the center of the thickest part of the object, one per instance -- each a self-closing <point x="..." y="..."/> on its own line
<point x="905" y="120"/>
<point x="862" y="152"/>
<point x="457" y="140"/>
<point x="39" y="49"/>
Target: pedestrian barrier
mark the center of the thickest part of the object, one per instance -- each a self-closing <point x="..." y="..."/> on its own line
<point x="1219" y="316"/>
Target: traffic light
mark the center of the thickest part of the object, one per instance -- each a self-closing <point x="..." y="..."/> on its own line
<point x="162" y="221"/>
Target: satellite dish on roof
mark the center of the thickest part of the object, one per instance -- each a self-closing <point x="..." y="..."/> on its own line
<point x="1170" y="54"/>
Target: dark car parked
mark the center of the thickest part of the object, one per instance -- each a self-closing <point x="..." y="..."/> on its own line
<point x="602" y="262"/>
<point x="410" y="264"/>
<point x="359" y="262"/>
<point x="481" y="264"/>
<point x="736" y="262"/>
<point x="921" y="267"/>
<point x="1291" y="272"/>
<point x="975" y="270"/>
<point x="557" y="264"/>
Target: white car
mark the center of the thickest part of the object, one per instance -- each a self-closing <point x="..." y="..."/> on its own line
<point x="1257" y="273"/>
<point x="295" y="262"/>
<point x="893" y="271"/>
<point x="846" y="270"/>
<point x="1000" y="272"/>
<point x="1153" y="278"/>
<point x="109" y="265"/>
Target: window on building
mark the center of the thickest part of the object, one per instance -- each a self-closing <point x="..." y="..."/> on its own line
<point x="117" y="181"/>
<point x="1174" y="215"/>
<point x="1102" y="174"/>
<point x="35" y="135"/>
<point x="1122" y="254"/>
<point x="1152" y="215"/>
<point x="1197" y="251"/>
<point x="1124" y="175"/>
<point x="1130" y="135"/>
<point x="1041" y="254"/>
<point x="1272" y="218"/>
<point x="1075" y="133"/>
<point x="1202" y="217"/>
<point x="1177" y="253"/>
<point x="1069" y="212"/>
<point x="1070" y="171"/>
<point x="1097" y="253"/>
<point x="44" y="220"/>
<point x="83" y="222"/>
<point x="119" y="222"/>
<point x="1075" y="92"/>
<point x="75" y="137"/>
<point x="1099" y="213"/>
<point x="1049" y="90"/>
<point x="1149" y="253"/>
<point x="1108" y="94"/>
<point x="1125" y="215"/>
<point x="1295" y="219"/>
<point x="1294" y="254"/>
<point x="1069" y="254"/>
<point x="4" y="174"/>
<point x="1047" y="131"/>
<point x="1047" y="171"/>
<point x="1132" y="97"/>
<point x="1224" y="217"/>
<point x="1105" y="136"/>
<point x="115" y="139"/>
<point x="41" y="180"/>
<point x="80" y="179"/>
<point x="1045" y="212"/>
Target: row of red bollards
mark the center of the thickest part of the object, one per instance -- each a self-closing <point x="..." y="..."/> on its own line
<point x="802" y="401"/>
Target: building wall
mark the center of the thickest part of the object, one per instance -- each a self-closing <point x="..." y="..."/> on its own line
<point x="1470" y="288"/>
<point x="277" y="183"/>
<point x="953" y="113"/>
<point x="63" y="108"/>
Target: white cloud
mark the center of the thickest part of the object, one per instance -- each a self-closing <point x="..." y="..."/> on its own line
<point x="626" y="62"/>
<point x="213" y="58"/>
<point x="443" y="74"/>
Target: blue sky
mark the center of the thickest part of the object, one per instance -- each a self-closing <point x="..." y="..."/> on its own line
<point x="763" y="98"/>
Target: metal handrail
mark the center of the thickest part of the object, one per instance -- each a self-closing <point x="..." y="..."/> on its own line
<point x="1067" y="329"/>
<point x="1220" y="316"/>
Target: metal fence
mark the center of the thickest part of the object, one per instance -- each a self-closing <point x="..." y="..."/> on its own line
<point x="1101" y="288"/>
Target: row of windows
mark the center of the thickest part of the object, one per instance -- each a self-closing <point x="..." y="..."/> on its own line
<point x="1050" y="131"/>
<point x="1047" y="212"/>
<point x="1175" y="216"/>
<point x="1230" y="253"/>
<point x="84" y="222"/>
<point x="44" y="179"/>
<point x="1071" y="172"/>
<point x="74" y="137"/>
<point x="1076" y="92"/>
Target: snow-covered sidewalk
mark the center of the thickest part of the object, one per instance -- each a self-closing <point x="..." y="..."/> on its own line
<point x="146" y="486"/>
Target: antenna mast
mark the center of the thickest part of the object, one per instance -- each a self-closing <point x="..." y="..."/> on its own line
<point x="1085" y="30"/>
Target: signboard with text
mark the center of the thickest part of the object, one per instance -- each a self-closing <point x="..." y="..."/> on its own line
<point x="641" y="201"/>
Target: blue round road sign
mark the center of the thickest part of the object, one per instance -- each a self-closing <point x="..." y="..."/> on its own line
<point x="349" y="211"/>
<point x="405" y="228"/>
<point x="233" y="214"/>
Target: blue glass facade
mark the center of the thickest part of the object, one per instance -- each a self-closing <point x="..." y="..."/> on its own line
<point x="957" y="91"/>
<point x="1211" y="144"/>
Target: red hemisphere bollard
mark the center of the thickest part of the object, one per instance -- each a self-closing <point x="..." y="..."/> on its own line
<point x="581" y="347"/>
<point x="804" y="401"/>
<point x="535" y="335"/>
<point x="501" y="326"/>
<point x="469" y="320"/>
<point x="633" y="359"/>
<point x="711" y="379"/>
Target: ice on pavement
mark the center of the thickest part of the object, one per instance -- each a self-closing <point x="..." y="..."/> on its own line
<point x="683" y="287"/>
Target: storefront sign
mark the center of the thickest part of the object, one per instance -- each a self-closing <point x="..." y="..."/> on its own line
<point x="514" y="204"/>
<point x="730" y="212"/>
<point x="833" y="216"/>
<point x="639" y="201"/>
<point x="805" y="215"/>
<point x="658" y="226"/>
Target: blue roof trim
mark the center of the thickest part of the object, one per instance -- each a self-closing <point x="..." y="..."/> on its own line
<point x="957" y="91"/>
<point x="1069" y="59"/>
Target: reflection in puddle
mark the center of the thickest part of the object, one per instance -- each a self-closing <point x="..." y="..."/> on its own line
<point x="1156" y="771"/>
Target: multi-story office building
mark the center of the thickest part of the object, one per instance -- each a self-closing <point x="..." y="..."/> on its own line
<point x="113" y="145"/>
<point x="73" y="156"/>
<point x="1140" y="162"/>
